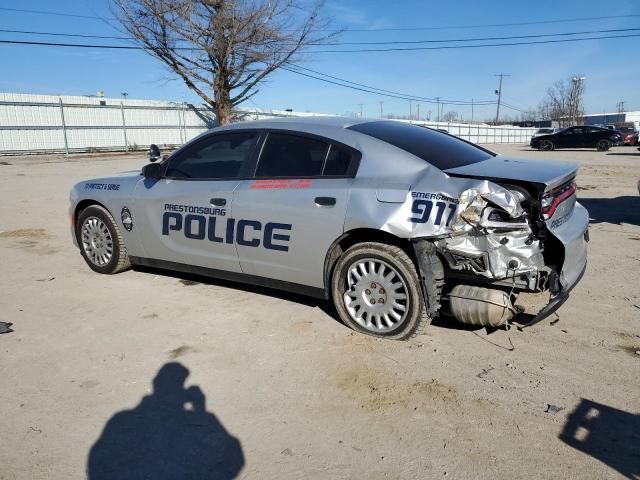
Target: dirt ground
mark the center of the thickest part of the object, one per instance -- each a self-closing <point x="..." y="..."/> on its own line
<point x="217" y="380"/>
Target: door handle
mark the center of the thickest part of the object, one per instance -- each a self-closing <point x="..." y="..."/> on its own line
<point x="218" y="202"/>
<point x="325" y="201"/>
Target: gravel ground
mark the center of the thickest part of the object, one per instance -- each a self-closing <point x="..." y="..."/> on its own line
<point x="216" y="380"/>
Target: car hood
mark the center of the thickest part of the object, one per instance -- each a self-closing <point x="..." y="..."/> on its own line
<point x="544" y="172"/>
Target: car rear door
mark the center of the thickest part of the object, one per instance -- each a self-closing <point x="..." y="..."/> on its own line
<point x="186" y="216"/>
<point x="294" y="207"/>
<point x="593" y="135"/>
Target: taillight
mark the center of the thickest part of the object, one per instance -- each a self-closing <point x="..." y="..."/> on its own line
<point x="550" y="200"/>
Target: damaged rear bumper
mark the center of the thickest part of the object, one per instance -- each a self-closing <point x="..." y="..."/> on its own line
<point x="556" y="301"/>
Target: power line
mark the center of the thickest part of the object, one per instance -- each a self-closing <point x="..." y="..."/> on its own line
<point x="48" y="12"/>
<point x="405" y="95"/>
<point x="77" y="45"/>
<point x="55" y="34"/>
<point x="352" y="87"/>
<point x="391" y="29"/>
<point x="443" y="47"/>
<point x="394" y="42"/>
<point x="488" y="25"/>
<point x="480" y="39"/>
<point x="450" y="47"/>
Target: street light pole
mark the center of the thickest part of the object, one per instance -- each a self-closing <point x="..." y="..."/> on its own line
<point x="577" y="83"/>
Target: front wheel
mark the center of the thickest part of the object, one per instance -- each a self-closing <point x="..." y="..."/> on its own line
<point x="376" y="290"/>
<point x="101" y="243"/>
<point x="546" y="145"/>
<point x="603" y="145"/>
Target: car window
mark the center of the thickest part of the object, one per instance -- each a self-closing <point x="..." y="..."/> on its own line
<point x="285" y="155"/>
<point x="338" y="161"/>
<point x="217" y="157"/>
<point x="442" y="151"/>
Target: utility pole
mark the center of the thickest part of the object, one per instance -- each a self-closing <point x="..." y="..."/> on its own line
<point x="499" y="93"/>
<point x="418" y="112"/>
<point x="472" y="110"/>
<point x="381" y="103"/>
<point x="360" y="105"/>
<point x="438" y="115"/>
<point x="620" y="110"/>
<point x="410" y="111"/>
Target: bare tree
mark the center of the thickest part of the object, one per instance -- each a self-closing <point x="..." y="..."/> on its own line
<point x="223" y="49"/>
<point x="450" y="117"/>
<point x="529" y="115"/>
<point x="565" y="101"/>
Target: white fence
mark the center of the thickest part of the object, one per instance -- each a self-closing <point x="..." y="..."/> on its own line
<point x="43" y="123"/>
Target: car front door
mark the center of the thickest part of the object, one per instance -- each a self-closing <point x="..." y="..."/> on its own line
<point x="294" y="208"/>
<point x="570" y="138"/>
<point x="186" y="216"/>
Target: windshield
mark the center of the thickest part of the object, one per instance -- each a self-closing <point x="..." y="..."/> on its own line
<point x="545" y="130"/>
<point x="627" y="130"/>
<point x="439" y="149"/>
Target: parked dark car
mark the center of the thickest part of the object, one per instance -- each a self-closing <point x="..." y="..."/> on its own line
<point x="578" y="137"/>
<point x="629" y="135"/>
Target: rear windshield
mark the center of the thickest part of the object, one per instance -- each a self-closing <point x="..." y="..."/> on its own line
<point x="439" y="149"/>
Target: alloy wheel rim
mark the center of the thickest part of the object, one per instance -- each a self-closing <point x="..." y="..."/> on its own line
<point x="97" y="241"/>
<point x="377" y="296"/>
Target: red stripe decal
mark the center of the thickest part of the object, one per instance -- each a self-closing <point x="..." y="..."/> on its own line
<point x="280" y="183"/>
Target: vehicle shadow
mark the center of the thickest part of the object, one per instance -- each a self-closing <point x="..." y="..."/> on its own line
<point x="191" y="279"/>
<point x="617" y="210"/>
<point x="607" y="434"/>
<point x="169" y="435"/>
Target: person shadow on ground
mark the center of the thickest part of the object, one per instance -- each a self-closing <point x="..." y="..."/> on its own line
<point x="169" y="435"/>
<point x="607" y="434"/>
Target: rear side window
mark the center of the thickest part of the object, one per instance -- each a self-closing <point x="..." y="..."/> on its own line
<point x="440" y="150"/>
<point x="217" y="157"/>
<point x="291" y="156"/>
<point x="338" y="161"/>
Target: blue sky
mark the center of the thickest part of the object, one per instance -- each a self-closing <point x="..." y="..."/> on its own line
<point x="611" y="67"/>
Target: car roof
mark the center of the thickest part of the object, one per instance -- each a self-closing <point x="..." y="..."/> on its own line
<point x="292" y="122"/>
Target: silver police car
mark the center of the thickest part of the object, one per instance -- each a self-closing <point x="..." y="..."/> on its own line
<point x="394" y="222"/>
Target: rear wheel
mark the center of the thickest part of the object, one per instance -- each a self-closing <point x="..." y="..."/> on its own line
<point x="376" y="290"/>
<point x="547" y="145"/>
<point x="101" y="243"/>
<point x="603" y="145"/>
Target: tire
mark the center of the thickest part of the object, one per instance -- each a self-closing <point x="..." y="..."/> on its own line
<point x="603" y="145"/>
<point x="546" y="145"/>
<point x="357" y="301"/>
<point x="100" y="241"/>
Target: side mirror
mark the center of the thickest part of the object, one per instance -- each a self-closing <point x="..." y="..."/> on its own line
<point x="154" y="152"/>
<point x="153" y="171"/>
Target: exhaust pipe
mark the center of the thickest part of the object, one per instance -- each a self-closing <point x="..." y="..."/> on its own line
<point x="485" y="307"/>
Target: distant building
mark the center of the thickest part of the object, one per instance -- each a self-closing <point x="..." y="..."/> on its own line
<point x="607" y="118"/>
